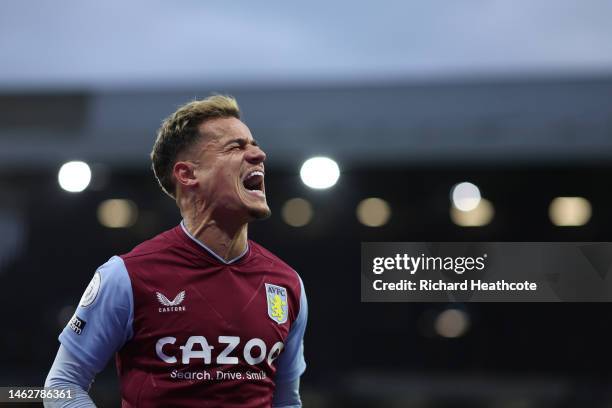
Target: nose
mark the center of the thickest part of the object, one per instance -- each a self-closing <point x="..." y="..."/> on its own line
<point x="255" y="155"/>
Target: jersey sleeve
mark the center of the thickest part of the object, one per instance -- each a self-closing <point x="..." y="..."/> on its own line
<point x="291" y="364"/>
<point x="102" y="322"/>
<point x="69" y="374"/>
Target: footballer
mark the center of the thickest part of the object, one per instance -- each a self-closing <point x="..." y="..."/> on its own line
<point x="198" y="316"/>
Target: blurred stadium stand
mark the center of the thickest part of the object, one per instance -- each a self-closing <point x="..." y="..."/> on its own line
<point x="471" y="121"/>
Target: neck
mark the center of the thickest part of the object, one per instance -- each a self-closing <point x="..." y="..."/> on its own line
<point x="226" y="239"/>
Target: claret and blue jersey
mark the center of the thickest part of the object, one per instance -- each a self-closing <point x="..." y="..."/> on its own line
<point x="190" y="329"/>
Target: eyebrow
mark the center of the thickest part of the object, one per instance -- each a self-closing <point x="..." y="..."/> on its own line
<point x="241" y="142"/>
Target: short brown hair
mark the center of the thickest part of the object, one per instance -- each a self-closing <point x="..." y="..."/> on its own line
<point x="180" y="130"/>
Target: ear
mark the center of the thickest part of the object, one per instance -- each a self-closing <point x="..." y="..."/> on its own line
<point x="184" y="173"/>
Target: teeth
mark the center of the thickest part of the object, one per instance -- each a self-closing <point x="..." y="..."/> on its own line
<point x="255" y="173"/>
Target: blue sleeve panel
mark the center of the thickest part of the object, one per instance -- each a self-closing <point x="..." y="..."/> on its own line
<point x="69" y="374"/>
<point x="287" y="395"/>
<point x="291" y="364"/>
<point x="102" y="322"/>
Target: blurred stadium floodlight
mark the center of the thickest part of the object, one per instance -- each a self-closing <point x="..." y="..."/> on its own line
<point x="117" y="213"/>
<point x="297" y="212"/>
<point x="478" y="217"/>
<point x="320" y="172"/>
<point x="465" y="196"/>
<point x="569" y="211"/>
<point x="452" y="323"/>
<point x="373" y="212"/>
<point x="74" y="176"/>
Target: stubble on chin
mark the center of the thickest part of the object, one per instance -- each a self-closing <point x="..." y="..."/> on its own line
<point x="260" y="214"/>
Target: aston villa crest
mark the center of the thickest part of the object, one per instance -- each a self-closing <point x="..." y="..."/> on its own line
<point x="278" y="308"/>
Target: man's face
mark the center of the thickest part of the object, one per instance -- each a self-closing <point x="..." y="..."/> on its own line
<point x="230" y="170"/>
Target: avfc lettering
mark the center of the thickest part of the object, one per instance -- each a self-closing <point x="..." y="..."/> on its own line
<point x="197" y="347"/>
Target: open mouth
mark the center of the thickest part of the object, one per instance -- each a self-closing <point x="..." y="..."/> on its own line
<point x="254" y="181"/>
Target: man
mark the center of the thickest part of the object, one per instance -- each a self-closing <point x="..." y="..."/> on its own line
<point x="199" y="315"/>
